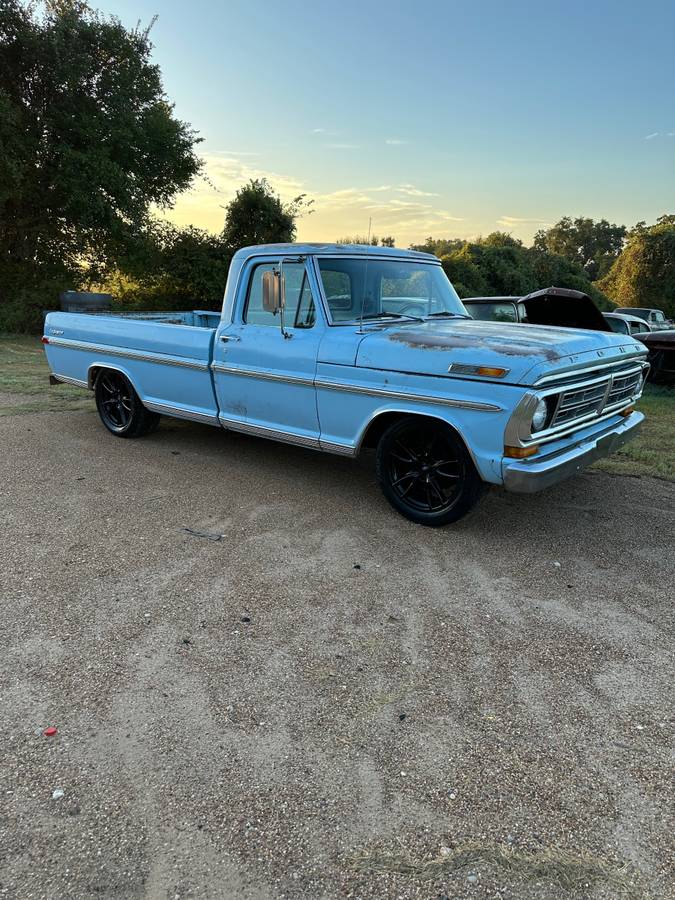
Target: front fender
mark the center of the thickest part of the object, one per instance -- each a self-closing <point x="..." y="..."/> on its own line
<point x="351" y="401"/>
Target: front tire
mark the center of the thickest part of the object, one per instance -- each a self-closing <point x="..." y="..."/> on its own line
<point x="425" y="471"/>
<point x="120" y="407"/>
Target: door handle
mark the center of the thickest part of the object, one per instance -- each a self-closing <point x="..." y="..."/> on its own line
<point x="226" y="338"/>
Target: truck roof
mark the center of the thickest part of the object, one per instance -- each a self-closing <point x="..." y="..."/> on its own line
<point x="318" y="249"/>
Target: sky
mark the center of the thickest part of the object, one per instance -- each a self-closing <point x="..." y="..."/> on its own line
<point x="449" y="119"/>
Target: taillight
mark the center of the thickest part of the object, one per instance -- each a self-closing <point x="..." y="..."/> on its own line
<point x="45" y="340"/>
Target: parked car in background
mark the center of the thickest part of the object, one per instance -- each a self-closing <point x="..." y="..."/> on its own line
<point x="549" y="306"/>
<point x="623" y="324"/>
<point x="661" y="346"/>
<point x="494" y="309"/>
<point x="655" y="318"/>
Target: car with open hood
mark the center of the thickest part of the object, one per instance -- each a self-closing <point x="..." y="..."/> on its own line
<point x="562" y="307"/>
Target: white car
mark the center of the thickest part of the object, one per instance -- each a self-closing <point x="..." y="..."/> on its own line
<point x="655" y="318"/>
<point x="625" y="324"/>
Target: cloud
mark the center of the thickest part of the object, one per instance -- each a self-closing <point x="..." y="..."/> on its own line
<point x="403" y="210"/>
<point x="395" y="142"/>
<point x="516" y="221"/>
<point x="410" y="204"/>
<point x="671" y="134"/>
<point x="204" y="204"/>
<point x="236" y="153"/>
<point x="650" y="137"/>
<point x="412" y="191"/>
<point x="342" y="199"/>
<point x="340" y="146"/>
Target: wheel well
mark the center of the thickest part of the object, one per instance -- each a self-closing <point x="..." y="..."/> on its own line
<point x="95" y="371"/>
<point x="380" y="423"/>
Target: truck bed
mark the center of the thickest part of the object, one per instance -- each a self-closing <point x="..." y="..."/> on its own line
<point x="166" y="355"/>
<point x="195" y="318"/>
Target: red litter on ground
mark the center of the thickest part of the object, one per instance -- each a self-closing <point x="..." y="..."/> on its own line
<point x="50" y="732"/>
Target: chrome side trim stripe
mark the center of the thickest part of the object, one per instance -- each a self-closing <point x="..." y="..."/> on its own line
<point x="400" y="395"/>
<point x="262" y="374"/>
<point x="177" y="413"/>
<point x="339" y="449"/>
<point x="68" y="380"/>
<point x="162" y="358"/>
<point x="354" y="388"/>
<point x="286" y="437"/>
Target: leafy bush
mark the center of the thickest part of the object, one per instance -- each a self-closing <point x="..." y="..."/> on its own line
<point x="644" y="274"/>
<point x="500" y="266"/>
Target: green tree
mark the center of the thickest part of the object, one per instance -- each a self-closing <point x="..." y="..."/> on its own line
<point x="258" y="216"/>
<point x="171" y="268"/>
<point x="88" y="143"/>
<point x="499" y="265"/>
<point x="552" y="270"/>
<point x="593" y="245"/>
<point x="362" y="239"/>
<point x="372" y="241"/>
<point x="439" y="246"/>
<point x="644" y="274"/>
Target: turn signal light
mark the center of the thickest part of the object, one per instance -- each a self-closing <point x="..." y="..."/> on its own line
<point x="491" y="371"/>
<point x="520" y="452"/>
<point x="627" y="411"/>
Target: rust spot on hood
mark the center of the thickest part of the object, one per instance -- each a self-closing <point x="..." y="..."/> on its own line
<point x="435" y="341"/>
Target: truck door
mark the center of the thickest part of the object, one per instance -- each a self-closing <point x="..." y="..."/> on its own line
<point x="265" y="381"/>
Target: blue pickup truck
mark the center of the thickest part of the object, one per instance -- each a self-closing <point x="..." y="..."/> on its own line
<point x="343" y="348"/>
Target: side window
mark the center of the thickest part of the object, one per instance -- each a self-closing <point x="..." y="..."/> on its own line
<point x="338" y="287"/>
<point x="300" y="311"/>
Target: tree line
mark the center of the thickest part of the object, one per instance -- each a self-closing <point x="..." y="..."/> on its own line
<point x="615" y="265"/>
<point x="92" y="153"/>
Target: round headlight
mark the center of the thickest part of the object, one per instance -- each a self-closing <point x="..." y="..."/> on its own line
<point x="540" y="416"/>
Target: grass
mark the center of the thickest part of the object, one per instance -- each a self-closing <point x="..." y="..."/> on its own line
<point x="24" y="385"/>
<point x="652" y="452"/>
<point x="572" y="872"/>
<point x="24" y="389"/>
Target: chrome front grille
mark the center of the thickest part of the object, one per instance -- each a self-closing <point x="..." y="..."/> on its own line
<point x="579" y="403"/>
<point x="582" y="403"/>
<point x="623" y="388"/>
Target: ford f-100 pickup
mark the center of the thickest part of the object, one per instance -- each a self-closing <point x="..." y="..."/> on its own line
<point x="343" y="347"/>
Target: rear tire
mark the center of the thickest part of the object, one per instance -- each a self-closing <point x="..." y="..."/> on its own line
<point x="426" y="473"/>
<point x="120" y="407"/>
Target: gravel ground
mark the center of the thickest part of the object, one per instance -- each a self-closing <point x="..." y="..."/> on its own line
<point x="329" y="701"/>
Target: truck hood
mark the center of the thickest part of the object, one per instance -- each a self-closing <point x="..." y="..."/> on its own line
<point x="526" y="351"/>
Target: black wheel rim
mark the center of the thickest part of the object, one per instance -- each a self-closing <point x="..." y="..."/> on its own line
<point x="115" y="400"/>
<point x="425" y="469"/>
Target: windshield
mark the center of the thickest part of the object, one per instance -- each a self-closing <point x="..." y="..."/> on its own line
<point x="493" y="312"/>
<point x="618" y="325"/>
<point x="377" y="288"/>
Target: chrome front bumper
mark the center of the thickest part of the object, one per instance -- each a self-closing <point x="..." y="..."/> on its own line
<point x="528" y="475"/>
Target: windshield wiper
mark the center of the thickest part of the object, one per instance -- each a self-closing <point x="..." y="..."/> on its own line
<point x="393" y="315"/>
<point x="452" y="315"/>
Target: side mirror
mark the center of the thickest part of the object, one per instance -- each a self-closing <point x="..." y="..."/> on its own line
<point x="273" y="293"/>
